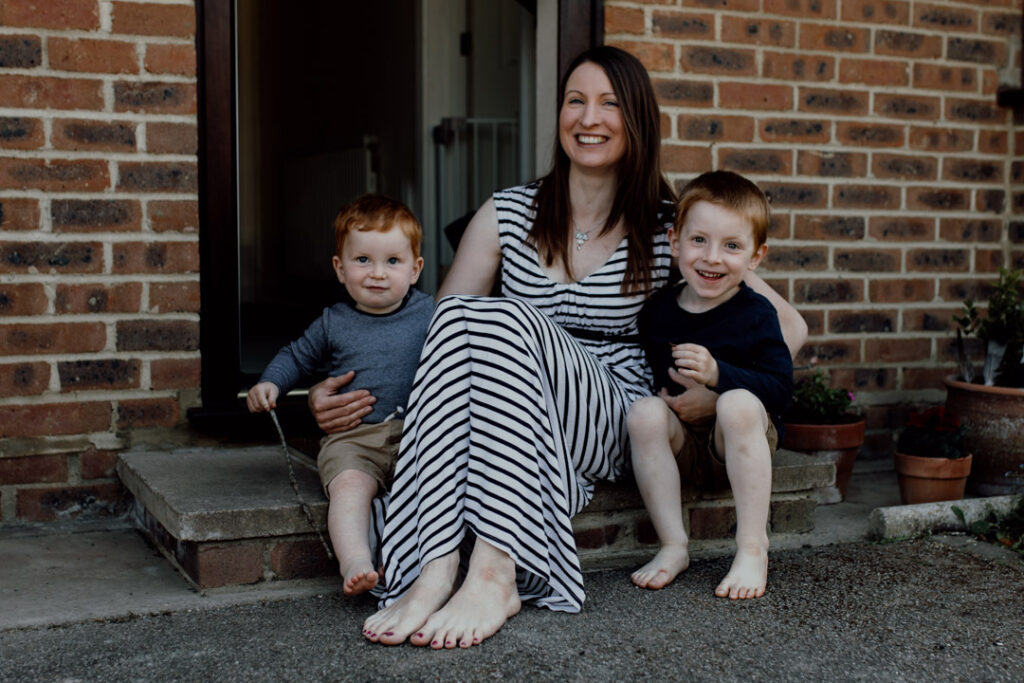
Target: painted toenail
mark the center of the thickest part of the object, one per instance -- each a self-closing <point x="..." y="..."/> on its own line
<point x="389" y="633"/>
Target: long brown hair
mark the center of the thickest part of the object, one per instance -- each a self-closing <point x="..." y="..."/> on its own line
<point x="641" y="188"/>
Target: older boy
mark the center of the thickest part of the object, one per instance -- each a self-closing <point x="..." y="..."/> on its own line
<point x="716" y="331"/>
<point x="378" y="336"/>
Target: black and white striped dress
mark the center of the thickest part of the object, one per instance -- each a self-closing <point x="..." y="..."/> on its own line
<point x="512" y="419"/>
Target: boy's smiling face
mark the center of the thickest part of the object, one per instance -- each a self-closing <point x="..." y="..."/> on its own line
<point x="715" y="248"/>
<point x="377" y="269"/>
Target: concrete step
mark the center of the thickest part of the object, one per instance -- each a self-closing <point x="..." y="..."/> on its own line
<point x="228" y="516"/>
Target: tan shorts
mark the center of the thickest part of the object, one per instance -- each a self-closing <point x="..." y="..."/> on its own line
<point x="698" y="457"/>
<point x="369" y="448"/>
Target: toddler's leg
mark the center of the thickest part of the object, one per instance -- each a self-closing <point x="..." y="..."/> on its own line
<point x="740" y="435"/>
<point x="348" y="523"/>
<point x="655" y="436"/>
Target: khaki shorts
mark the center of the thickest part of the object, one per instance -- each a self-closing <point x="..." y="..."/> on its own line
<point x="701" y="461"/>
<point x="369" y="448"/>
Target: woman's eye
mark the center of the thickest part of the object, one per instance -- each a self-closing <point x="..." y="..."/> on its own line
<point x="611" y="103"/>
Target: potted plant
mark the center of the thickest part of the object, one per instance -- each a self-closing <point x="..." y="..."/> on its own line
<point x="931" y="461"/>
<point x="822" y="421"/>
<point x="991" y="407"/>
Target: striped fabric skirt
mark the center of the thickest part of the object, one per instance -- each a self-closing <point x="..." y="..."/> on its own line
<point x="510" y="422"/>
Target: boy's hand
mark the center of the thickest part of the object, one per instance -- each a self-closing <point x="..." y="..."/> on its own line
<point x="262" y="397"/>
<point x="696" y="362"/>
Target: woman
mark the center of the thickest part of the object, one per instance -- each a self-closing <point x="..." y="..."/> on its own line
<point x="519" y="404"/>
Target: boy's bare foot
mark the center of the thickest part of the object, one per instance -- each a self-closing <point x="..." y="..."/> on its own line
<point x="361" y="581"/>
<point x="393" y="624"/>
<point x="663" y="568"/>
<point x="747" y="576"/>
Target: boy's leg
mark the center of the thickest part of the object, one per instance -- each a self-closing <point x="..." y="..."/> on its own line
<point x="348" y="523"/>
<point x="740" y="434"/>
<point x="656" y="435"/>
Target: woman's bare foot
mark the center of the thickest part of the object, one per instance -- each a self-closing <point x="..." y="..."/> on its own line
<point x="663" y="568"/>
<point x="486" y="600"/>
<point x="358" y="578"/>
<point x="747" y="576"/>
<point x="393" y="624"/>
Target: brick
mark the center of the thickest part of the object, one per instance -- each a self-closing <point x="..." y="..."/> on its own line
<point x="98" y="464"/>
<point x="762" y="97"/>
<point x="828" y="228"/>
<point x="174" y="297"/>
<point x="173" y="216"/>
<point x="898" y="350"/>
<point x="58" y="175"/>
<point x="908" y="44"/>
<point x="831" y="164"/>
<point x="961" y="290"/>
<point x="993" y="142"/>
<point x="71" y="502"/>
<point x="171" y="138"/>
<point x="844" y="102"/>
<point x="598" y="537"/>
<point x="815" y="9"/>
<point x="945" y="78"/>
<point x="756" y="161"/>
<point x="988" y="260"/>
<point x="794" y="516"/>
<point x="990" y="201"/>
<point x="794" y="130"/>
<point x="171" y="59"/>
<point x="665" y="125"/>
<point x="945" y="19"/>
<point x="22" y="299"/>
<point x="21" y="133"/>
<point x="98" y="298"/>
<point x="155" y="98"/>
<point x="42" y="92"/>
<point x="869" y="135"/>
<point x="925" y="378"/>
<point x="902" y="228"/>
<point x="1001" y="23"/>
<point x="301" y="560"/>
<point x="867" y="260"/>
<point x="715" y="128"/>
<point x="975" y="111"/>
<point x="98" y="374"/>
<point x="90" y="215"/>
<point x="677" y="93"/>
<point x="24" y="379"/>
<point x="712" y="522"/>
<point x="99" y="136"/>
<point x="815" y="322"/>
<point x="859" y="322"/>
<point x="53" y="338"/>
<point x="928" y="319"/>
<point x="157" y="335"/>
<point x="155" y="257"/>
<point x="730" y="5"/>
<point x="906" y="167"/>
<point x="174" y="373"/>
<point x="93" y="56"/>
<point x="676" y="24"/>
<point x="926" y="198"/>
<point x="654" y="56"/>
<point x="873" y="72"/>
<point x="685" y="159"/>
<point x="67" y="14"/>
<point x="828" y="291"/>
<point x="623" y="20"/>
<point x="970" y="171"/>
<point x="756" y="31"/>
<point x="839" y="351"/>
<point x="900" y="290"/>
<point x="39" y="469"/>
<point x="779" y="226"/>
<point x="19" y="214"/>
<point x="796" y="258"/>
<point x="866" y="197"/>
<point x="832" y="38"/>
<point x="228" y="565"/>
<point x="644" y="532"/>
<point x="939" y="260"/>
<point x="798" y="196"/>
<point x="798" y="67"/>
<point x="870" y="379"/>
<point x="146" y="19"/>
<point x="941" y="139"/>
<point x="888" y="12"/>
<point x="975" y="50"/>
<point x="51" y="257"/>
<point x="157" y="412"/>
<point x="158" y="177"/>
<point x="54" y="419"/>
<point x="906" y="107"/>
<point x="717" y="60"/>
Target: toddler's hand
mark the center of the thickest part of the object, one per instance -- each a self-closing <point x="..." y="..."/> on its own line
<point x="262" y="397"/>
<point x="696" y="362"/>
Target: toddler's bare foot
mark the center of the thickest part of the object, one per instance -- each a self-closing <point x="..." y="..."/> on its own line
<point x="393" y="624"/>
<point x="361" y="581"/>
<point x="747" y="576"/>
<point x="670" y="561"/>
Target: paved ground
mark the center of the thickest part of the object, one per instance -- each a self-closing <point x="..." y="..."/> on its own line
<point x="942" y="608"/>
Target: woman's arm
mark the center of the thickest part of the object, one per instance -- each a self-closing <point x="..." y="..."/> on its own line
<point x="794" y="328"/>
<point x="478" y="257"/>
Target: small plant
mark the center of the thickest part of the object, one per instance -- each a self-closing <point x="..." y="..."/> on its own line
<point x="935" y="433"/>
<point x="1001" y="329"/>
<point x="1004" y="529"/>
<point x="814" y="402"/>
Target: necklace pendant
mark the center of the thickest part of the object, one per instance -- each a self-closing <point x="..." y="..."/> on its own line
<point x="580" y="239"/>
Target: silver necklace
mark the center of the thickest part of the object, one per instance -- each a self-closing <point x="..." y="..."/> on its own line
<point x="582" y="236"/>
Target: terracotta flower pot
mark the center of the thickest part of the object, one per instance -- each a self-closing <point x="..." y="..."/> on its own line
<point x="993" y="419"/>
<point x="928" y="480"/>
<point x="840" y="442"/>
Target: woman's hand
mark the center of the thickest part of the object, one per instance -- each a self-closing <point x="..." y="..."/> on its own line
<point x="693" y="405"/>
<point x="336" y="412"/>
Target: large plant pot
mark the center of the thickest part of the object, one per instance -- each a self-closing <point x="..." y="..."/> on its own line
<point x="929" y="480"/>
<point x="993" y="420"/>
<point x="838" y="442"/>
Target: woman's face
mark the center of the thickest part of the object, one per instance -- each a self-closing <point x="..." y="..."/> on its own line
<point x="590" y="126"/>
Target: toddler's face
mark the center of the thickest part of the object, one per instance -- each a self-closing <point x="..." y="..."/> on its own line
<point x="715" y="248"/>
<point x="377" y="269"/>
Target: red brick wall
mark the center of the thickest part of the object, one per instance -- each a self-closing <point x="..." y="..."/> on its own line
<point x="99" y="265"/>
<point x="874" y="126"/>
